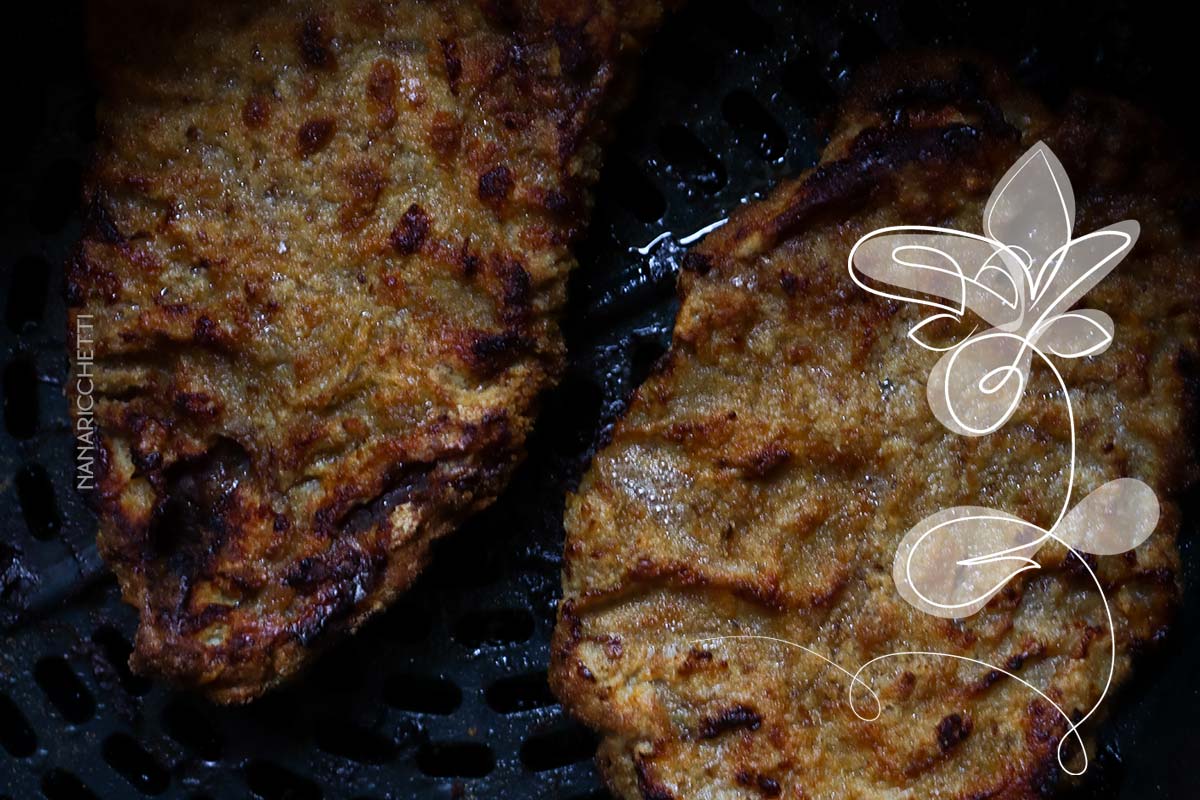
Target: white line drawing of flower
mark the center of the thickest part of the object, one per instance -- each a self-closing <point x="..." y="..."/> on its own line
<point x="1023" y="276"/>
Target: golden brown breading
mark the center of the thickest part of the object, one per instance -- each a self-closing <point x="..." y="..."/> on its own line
<point x="762" y="478"/>
<point x="326" y="248"/>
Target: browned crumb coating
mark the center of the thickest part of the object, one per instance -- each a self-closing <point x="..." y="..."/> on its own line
<point x="325" y="253"/>
<point x="761" y="480"/>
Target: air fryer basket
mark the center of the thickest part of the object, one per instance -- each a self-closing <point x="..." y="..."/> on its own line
<point x="445" y="695"/>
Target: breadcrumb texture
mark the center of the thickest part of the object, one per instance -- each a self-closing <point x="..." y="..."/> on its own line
<point x="325" y="252"/>
<point x="762" y="478"/>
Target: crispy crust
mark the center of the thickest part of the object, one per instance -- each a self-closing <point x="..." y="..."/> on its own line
<point x="761" y="480"/>
<point x="325" y="253"/>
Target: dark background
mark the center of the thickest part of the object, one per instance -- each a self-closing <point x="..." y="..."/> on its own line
<point x="445" y="695"/>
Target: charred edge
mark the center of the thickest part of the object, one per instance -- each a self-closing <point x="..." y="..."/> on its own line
<point x="411" y="231"/>
<point x="875" y="154"/>
<point x="334" y="583"/>
<point x="964" y="91"/>
<point x="407" y="482"/>
<point x="99" y="223"/>
<point x="733" y="718"/>
<point x="190" y="524"/>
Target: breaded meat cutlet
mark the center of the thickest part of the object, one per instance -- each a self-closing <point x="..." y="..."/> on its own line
<point x="325" y="252"/>
<point x="762" y="478"/>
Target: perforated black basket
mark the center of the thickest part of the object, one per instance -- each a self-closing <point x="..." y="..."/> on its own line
<point x="445" y="695"/>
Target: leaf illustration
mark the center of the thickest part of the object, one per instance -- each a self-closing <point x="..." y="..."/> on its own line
<point x="1075" y="334"/>
<point x="952" y="562"/>
<point x="1071" y="270"/>
<point x="974" y="388"/>
<point x="965" y="270"/>
<point x="1032" y="208"/>
<point x="1115" y="518"/>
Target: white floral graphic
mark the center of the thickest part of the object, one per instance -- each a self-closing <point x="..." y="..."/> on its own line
<point x="1022" y="277"/>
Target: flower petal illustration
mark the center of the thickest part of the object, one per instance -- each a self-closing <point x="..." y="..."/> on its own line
<point x="975" y="387"/>
<point x="1077" y="266"/>
<point x="935" y="265"/>
<point x="1075" y="334"/>
<point x="917" y="334"/>
<point x="952" y="562"/>
<point x="1117" y="517"/>
<point x="1032" y="208"/>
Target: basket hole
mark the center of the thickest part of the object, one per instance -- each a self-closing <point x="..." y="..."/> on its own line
<point x="116" y="649"/>
<point x="634" y="189"/>
<point x="740" y="25"/>
<point x="187" y="724"/>
<point x="558" y="748"/>
<point x="17" y="738"/>
<point x="56" y="196"/>
<point x="805" y="80"/>
<point x="58" y="784"/>
<point x="64" y="689"/>
<point x="422" y="694"/>
<point x="35" y="493"/>
<point x="27" y="294"/>
<point x="690" y="160"/>
<point x="20" y="399"/>
<point x="134" y="764"/>
<point x="408" y="623"/>
<point x="456" y="760"/>
<point x="520" y="693"/>
<point x="273" y="782"/>
<point x="747" y="116"/>
<point x="347" y="740"/>
<point x="495" y="627"/>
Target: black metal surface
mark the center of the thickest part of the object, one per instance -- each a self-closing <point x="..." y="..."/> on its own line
<point x="445" y="695"/>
